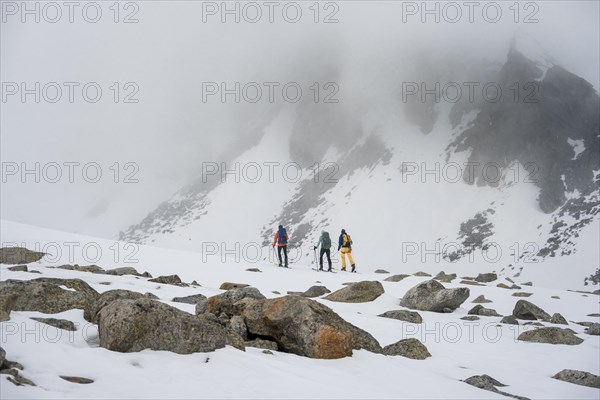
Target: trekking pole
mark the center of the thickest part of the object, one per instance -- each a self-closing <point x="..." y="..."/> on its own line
<point x="316" y="266"/>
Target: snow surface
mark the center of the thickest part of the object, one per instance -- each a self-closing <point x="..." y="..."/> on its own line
<point x="459" y="349"/>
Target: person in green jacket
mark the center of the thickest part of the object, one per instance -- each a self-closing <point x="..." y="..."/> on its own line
<point x="325" y="243"/>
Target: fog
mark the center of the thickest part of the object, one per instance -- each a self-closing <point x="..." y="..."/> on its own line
<point x="162" y="61"/>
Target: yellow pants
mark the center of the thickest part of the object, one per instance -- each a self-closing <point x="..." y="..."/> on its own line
<point x="346" y="252"/>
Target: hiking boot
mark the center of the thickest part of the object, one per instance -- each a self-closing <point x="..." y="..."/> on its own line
<point x="280" y="266"/>
<point x="353" y="268"/>
<point x="343" y="269"/>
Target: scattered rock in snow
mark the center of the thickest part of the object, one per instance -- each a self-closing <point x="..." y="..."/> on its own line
<point x="193" y="299"/>
<point x="396" y="278"/>
<point x="526" y="310"/>
<point x="403" y="315"/>
<point x="481" y="299"/>
<point x="534" y="323"/>
<point x="276" y="292"/>
<point x="551" y="336"/>
<point x="360" y="292"/>
<point x="18" y="268"/>
<point x="19" y="255"/>
<point x="578" y="378"/>
<point x="305" y="327"/>
<point x="194" y="283"/>
<point x="510" y="320"/>
<point x="484" y="312"/>
<point x="527" y="284"/>
<point x="421" y="273"/>
<point x="81" y="268"/>
<point x="593" y="329"/>
<point x="134" y="325"/>
<point x="486" y="382"/>
<point x="443" y="277"/>
<point x="433" y="296"/>
<point x="554" y="297"/>
<point x="470" y="318"/>
<point x="267" y="352"/>
<point x="504" y="286"/>
<point x="381" y="271"/>
<point x="253" y="270"/>
<point x="594" y="315"/>
<point x="57" y="323"/>
<point x="486" y="278"/>
<point x="231" y="285"/>
<point x="125" y="271"/>
<point x="77" y="379"/>
<point x="90" y="313"/>
<point x="409" y="348"/>
<point x="169" y="280"/>
<point x="522" y="294"/>
<point x="316" y="291"/>
<point x="473" y="283"/>
<point x="558" y="319"/>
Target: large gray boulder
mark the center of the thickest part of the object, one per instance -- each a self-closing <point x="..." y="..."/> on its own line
<point x="226" y="302"/>
<point x="305" y="327"/>
<point x="526" y="310"/>
<point x="403" y="315"/>
<point x="134" y="325"/>
<point x="593" y="329"/>
<point x="168" y="280"/>
<point x="19" y="255"/>
<point x="90" y="313"/>
<point x="46" y="295"/>
<point x="316" y="291"/>
<point x="410" y="348"/>
<point x="360" y="292"/>
<point x="443" y="277"/>
<point x="484" y="312"/>
<point x="578" y="378"/>
<point x="551" y="336"/>
<point x="433" y="296"/>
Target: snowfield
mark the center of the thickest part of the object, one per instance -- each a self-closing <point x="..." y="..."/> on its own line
<point x="459" y="348"/>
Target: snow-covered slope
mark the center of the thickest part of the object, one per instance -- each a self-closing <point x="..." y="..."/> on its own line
<point x="459" y="348"/>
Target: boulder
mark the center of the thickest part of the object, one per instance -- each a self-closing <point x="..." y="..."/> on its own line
<point x="486" y="278"/>
<point x="228" y="302"/>
<point x="526" y="310"/>
<point x="123" y="271"/>
<point x="235" y="340"/>
<point x="443" y="277"/>
<point x="4" y="314"/>
<point x="77" y="379"/>
<point x="82" y="268"/>
<point x="2" y="357"/>
<point x="305" y="327"/>
<point x="90" y="313"/>
<point x="237" y="325"/>
<point x="57" y="323"/>
<point x="403" y="315"/>
<point x="18" y="268"/>
<point x="485" y="382"/>
<point x="253" y="270"/>
<point x="433" y="296"/>
<point x="316" y="291"/>
<point x="19" y="255"/>
<point x="46" y="295"/>
<point x="558" y="319"/>
<point x="360" y="292"/>
<point x="484" y="312"/>
<point x="231" y="285"/>
<point x="481" y="299"/>
<point x="510" y="320"/>
<point x="593" y="329"/>
<point x="421" y="273"/>
<point x="522" y="294"/>
<point x="193" y="299"/>
<point x="262" y="344"/>
<point x="551" y="336"/>
<point x="473" y="283"/>
<point x="578" y="378"/>
<point x="527" y="284"/>
<point x="134" y="325"/>
<point x="409" y="348"/>
<point x="396" y="278"/>
<point x="168" y="280"/>
<point x="381" y="271"/>
<point x="470" y="318"/>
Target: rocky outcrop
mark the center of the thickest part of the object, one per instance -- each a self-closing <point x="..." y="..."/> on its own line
<point x="526" y="310"/>
<point x="46" y="295"/>
<point x="578" y="378"/>
<point x="360" y="292"/>
<point x="134" y="325"/>
<point x="551" y="336"/>
<point x="305" y="327"/>
<point x="227" y="302"/>
<point x="90" y="313"/>
<point x="409" y="348"/>
<point x="19" y="255"/>
<point x="403" y="315"/>
<point x="433" y="296"/>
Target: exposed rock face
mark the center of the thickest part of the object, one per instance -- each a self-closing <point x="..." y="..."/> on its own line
<point x="396" y="278"/>
<point x="510" y="320"/>
<point x="403" y="315"/>
<point x="316" y="291"/>
<point x="360" y="292"/>
<point x="226" y="302"/>
<point x="168" y="280"/>
<point x="134" y="325"/>
<point x="231" y="285"/>
<point x="237" y="325"/>
<point x="91" y="312"/>
<point x="486" y="278"/>
<point x="526" y="310"/>
<point x="45" y="295"/>
<point x="57" y="323"/>
<point x="19" y="255"/>
<point x="410" y="348"/>
<point x="558" y="319"/>
<point x="484" y="312"/>
<point x="481" y="299"/>
<point x="432" y="296"/>
<point x="193" y="299"/>
<point x="578" y="378"/>
<point x="306" y="327"/>
<point x="551" y="336"/>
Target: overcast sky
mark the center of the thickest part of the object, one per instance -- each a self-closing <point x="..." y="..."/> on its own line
<point x="162" y="60"/>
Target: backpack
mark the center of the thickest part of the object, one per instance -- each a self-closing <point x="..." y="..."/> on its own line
<point x="348" y="240"/>
<point x="326" y="242"/>
<point x="281" y="238"/>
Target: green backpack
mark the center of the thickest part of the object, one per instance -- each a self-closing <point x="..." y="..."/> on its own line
<point x="326" y="242"/>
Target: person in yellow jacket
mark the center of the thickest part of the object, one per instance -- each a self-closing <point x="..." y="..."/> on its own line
<point x="345" y="244"/>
